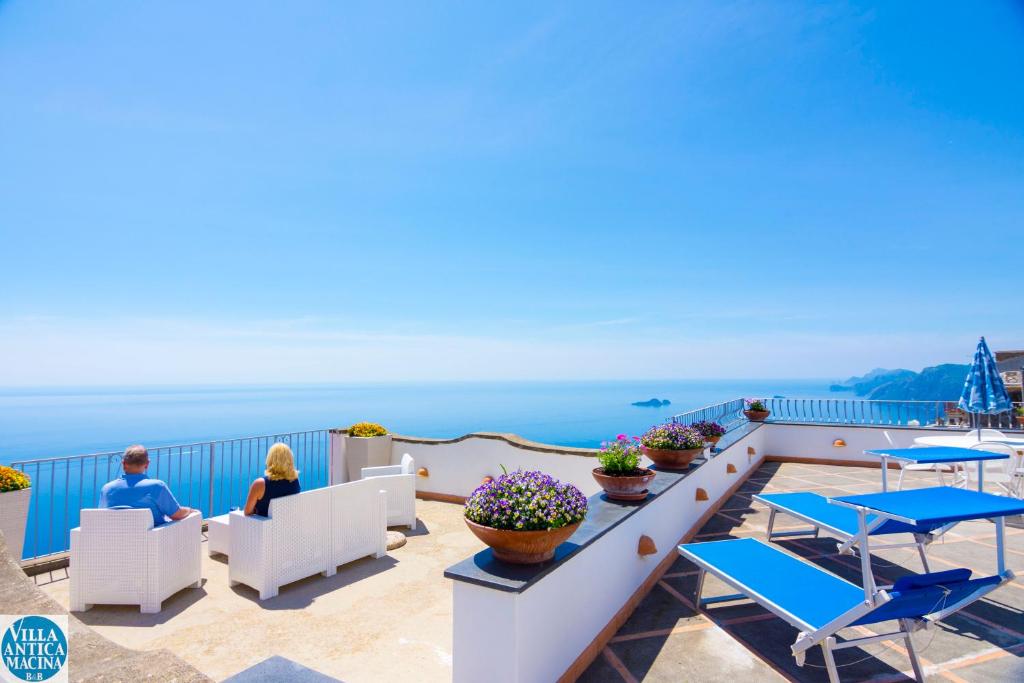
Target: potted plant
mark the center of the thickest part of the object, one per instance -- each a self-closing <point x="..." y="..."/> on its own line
<point x="524" y="516"/>
<point x="367" y="444"/>
<point x="711" y="431"/>
<point x="620" y="474"/>
<point x="672" y="445"/>
<point x="1018" y="411"/>
<point x="15" y="495"/>
<point x="756" y="410"/>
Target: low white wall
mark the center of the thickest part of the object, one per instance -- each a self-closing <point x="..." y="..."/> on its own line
<point x="537" y="635"/>
<point x="458" y="467"/>
<point x="815" y="441"/>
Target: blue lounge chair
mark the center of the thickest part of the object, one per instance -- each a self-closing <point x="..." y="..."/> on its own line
<point x="843" y="522"/>
<point x="820" y="604"/>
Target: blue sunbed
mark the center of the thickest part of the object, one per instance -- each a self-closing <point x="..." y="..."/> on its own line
<point x="821" y="604"/>
<point x="842" y="522"/>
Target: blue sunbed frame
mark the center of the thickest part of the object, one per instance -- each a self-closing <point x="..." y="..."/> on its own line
<point x="821" y="604"/>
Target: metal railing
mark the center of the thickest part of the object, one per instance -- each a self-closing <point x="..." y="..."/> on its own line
<point x="211" y="476"/>
<point x="853" y="411"/>
<point x="887" y="413"/>
<point x="728" y="414"/>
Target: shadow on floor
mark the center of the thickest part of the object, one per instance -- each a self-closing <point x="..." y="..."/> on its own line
<point x="129" y="615"/>
<point x="304" y="592"/>
<point x="421" y="529"/>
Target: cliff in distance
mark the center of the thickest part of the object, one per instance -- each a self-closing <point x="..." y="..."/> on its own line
<point x="939" y="383"/>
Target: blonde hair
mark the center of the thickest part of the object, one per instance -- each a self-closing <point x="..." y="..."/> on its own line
<point x="280" y="463"/>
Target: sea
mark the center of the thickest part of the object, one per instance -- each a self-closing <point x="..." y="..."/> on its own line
<point x="52" y="422"/>
<point x="39" y="427"/>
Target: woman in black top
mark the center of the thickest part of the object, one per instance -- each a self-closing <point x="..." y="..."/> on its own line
<point x="280" y="479"/>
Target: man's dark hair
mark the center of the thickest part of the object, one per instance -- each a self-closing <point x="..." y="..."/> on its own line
<point x="135" y="455"/>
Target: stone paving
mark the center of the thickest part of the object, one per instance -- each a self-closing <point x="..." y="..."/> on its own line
<point x="667" y="639"/>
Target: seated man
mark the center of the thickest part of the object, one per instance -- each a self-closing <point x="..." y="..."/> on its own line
<point x="134" y="489"/>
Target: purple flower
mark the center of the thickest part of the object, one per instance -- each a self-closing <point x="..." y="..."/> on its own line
<point x="672" y="436"/>
<point x="526" y="501"/>
<point x="709" y="429"/>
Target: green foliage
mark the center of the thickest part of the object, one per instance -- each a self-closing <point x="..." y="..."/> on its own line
<point x="620" y="456"/>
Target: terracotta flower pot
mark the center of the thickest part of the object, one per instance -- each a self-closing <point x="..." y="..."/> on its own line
<point x="671" y="459"/>
<point x="522" y="547"/>
<point x="756" y="415"/>
<point x="632" y="487"/>
<point x="713" y="440"/>
<point x="1020" y="421"/>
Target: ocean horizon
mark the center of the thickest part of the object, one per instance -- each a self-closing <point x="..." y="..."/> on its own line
<point x="40" y="422"/>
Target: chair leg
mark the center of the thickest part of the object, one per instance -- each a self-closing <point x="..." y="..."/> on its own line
<point x="771" y="523"/>
<point x="941" y="475"/>
<point x="899" y="483"/>
<point x="911" y="652"/>
<point x="924" y="558"/>
<point x="700" y="587"/>
<point x="830" y="662"/>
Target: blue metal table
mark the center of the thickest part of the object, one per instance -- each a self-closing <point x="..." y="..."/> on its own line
<point x="929" y="507"/>
<point x="938" y="455"/>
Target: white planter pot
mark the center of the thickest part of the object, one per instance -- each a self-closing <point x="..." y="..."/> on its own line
<point x="13" y="518"/>
<point x="366" y="451"/>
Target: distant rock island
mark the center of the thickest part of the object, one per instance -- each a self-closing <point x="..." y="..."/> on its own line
<point x="939" y="383"/>
<point x="653" y="403"/>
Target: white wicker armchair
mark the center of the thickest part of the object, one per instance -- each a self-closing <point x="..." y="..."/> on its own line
<point x="119" y="558"/>
<point x="399" y="482"/>
<point x="359" y="521"/>
<point x="291" y="544"/>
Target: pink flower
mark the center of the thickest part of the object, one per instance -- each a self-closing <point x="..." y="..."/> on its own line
<point x="622" y="437"/>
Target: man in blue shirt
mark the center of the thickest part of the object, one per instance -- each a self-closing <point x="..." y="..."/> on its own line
<point x="134" y="489"/>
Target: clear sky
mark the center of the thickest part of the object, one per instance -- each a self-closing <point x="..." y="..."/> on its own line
<point x="266" y="191"/>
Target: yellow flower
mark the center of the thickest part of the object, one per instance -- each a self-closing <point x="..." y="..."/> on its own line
<point x="13" y="480"/>
<point x="366" y="429"/>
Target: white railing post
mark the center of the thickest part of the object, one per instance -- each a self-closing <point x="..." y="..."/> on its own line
<point x="212" y="449"/>
<point x="336" y="458"/>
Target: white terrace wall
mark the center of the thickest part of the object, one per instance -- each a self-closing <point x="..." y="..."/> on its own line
<point x="815" y="442"/>
<point x="538" y="634"/>
<point x="457" y="466"/>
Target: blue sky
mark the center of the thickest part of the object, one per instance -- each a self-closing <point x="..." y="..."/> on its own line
<point x="263" y="192"/>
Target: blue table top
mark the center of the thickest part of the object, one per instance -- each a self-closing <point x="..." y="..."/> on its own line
<point x="936" y="505"/>
<point x="937" y="454"/>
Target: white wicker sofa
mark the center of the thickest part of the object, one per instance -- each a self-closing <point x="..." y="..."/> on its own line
<point x="119" y="558"/>
<point x="305" y="534"/>
<point x="399" y="482"/>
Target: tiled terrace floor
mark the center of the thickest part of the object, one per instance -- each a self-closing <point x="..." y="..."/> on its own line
<point x="667" y="639"/>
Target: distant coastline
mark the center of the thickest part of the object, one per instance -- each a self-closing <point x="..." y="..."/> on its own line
<point x="940" y="382"/>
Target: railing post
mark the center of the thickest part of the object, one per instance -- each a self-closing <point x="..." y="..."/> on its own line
<point x="212" y="450"/>
<point x="336" y="473"/>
